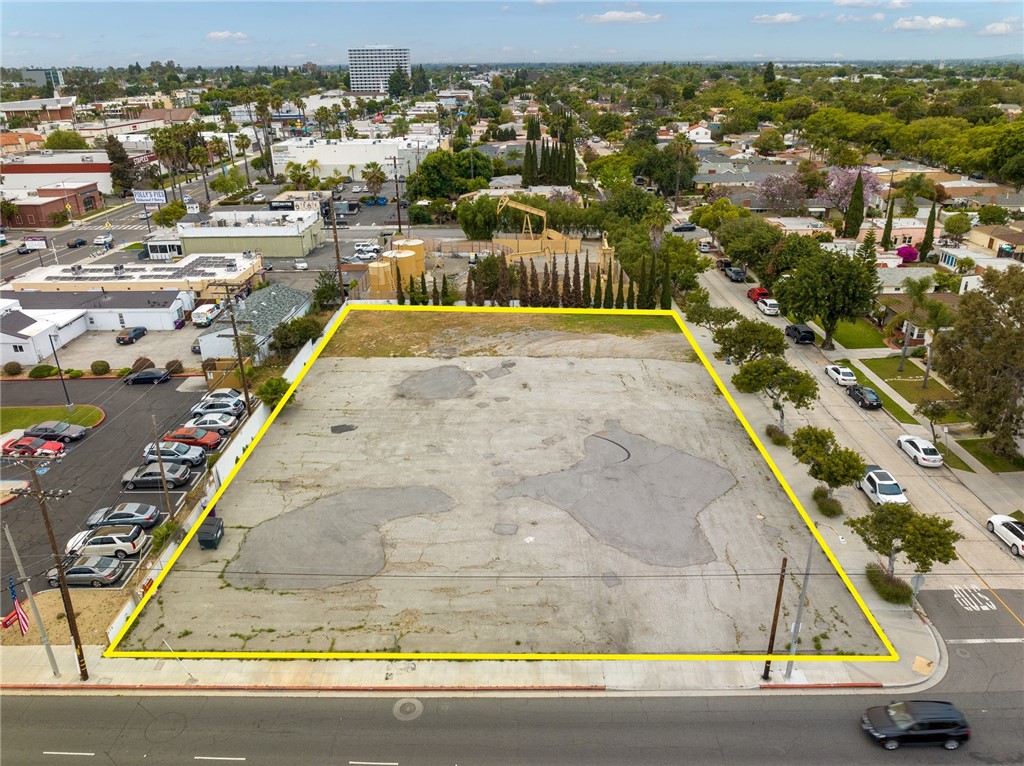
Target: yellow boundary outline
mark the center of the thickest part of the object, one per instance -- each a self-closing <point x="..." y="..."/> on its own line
<point x="112" y="651"/>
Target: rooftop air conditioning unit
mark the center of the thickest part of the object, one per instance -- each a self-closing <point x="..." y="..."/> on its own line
<point x="17" y="159"/>
<point x="221" y="222"/>
<point x="46" y="152"/>
<point x="86" y="159"/>
<point x="76" y="268"/>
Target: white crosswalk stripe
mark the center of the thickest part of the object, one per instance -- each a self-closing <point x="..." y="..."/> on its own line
<point x="127" y="226"/>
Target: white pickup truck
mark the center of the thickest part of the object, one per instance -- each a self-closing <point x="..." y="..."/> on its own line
<point x="881" y="487"/>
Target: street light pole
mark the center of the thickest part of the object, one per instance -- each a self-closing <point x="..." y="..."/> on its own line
<point x="60" y="372"/>
<point x="32" y="602"/>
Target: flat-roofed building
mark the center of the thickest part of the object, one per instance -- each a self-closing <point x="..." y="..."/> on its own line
<point x="370" y="67"/>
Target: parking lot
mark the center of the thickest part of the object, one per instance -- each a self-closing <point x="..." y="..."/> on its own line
<point x="159" y="346"/>
<point x="554" y="494"/>
<point x="93" y="467"/>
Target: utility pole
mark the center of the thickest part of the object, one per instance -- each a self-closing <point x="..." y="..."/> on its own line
<point x="32" y="602"/>
<point x="238" y="346"/>
<point x="398" y="192"/>
<point x="337" y="251"/>
<point x="775" y="620"/>
<point x="41" y="496"/>
<point x="163" y="476"/>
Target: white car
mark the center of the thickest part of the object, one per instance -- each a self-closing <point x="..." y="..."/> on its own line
<point x="218" y="422"/>
<point x="1010" y="531"/>
<point x="117" y="541"/>
<point x="259" y="197"/>
<point x="841" y="375"/>
<point x="881" y="487"/>
<point x="769" y="307"/>
<point x="144" y="215"/>
<point x="301" y="265"/>
<point x="921" y="451"/>
<point x="357" y="189"/>
<point x="103" y="239"/>
<point x="225" y="393"/>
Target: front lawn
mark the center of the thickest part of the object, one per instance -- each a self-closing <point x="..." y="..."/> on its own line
<point x="952" y="459"/>
<point x="858" y="334"/>
<point x="982" y="450"/>
<point x="908" y="383"/>
<point x="888" y="404"/>
<point x="23" y="417"/>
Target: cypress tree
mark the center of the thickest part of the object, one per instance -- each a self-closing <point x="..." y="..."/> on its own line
<point x="542" y="174"/>
<point x="585" y="294"/>
<point x="435" y="295"/>
<point x="414" y="299"/>
<point x="666" y="288"/>
<point x="445" y="290"/>
<point x="524" y="284"/>
<point x="577" y="293"/>
<point x="887" y="231"/>
<point x="469" y="288"/>
<point x="609" y="297"/>
<point x="855" y="212"/>
<point x="502" y="296"/>
<point x="528" y="165"/>
<point x="631" y="297"/>
<point x="535" y="299"/>
<point x="545" y="288"/>
<point x="597" y="290"/>
<point x="620" y="299"/>
<point x="554" y="283"/>
<point x="399" y="293"/>
<point x="926" y="243"/>
<point x="424" y="295"/>
<point x="566" y="285"/>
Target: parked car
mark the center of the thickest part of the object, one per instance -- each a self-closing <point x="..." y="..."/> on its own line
<point x="1009" y="530"/>
<point x="215" y="421"/>
<point x="144" y="215"/>
<point x="77" y="242"/>
<point x="56" y="430"/>
<point x="129" y="335"/>
<point x="881" y="487"/>
<point x="865" y="397"/>
<point x="841" y="375"/>
<point x="103" y="239"/>
<point x="684" y="226"/>
<point x="232" y="407"/>
<point x="153" y="375"/>
<point x="196" y="348"/>
<point x="722" y="264"/>
<point x="138" y="514"/>
<point x="357" y="188"/>
<point x="757" y="293"/>
<point x="800" y="333"/>
<point x="119" y="541"/>
<point x="916" y="722"/>
<point x="96" y="571"/>
<point x="174" y="452"/>
<point x="259" y="197"/>
<point x="301" y="265"/>
<point x="768" y="306"/>
<point x="150" y="477"/>
<point x="225" y="393"/>
<point x="921" y="451"/>
<point x="195" y="437"/>
<point x="31" y="445"/>
<point x="736" y="275"/>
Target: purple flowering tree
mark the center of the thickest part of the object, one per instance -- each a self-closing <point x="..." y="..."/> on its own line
<point x="908" y="253"/>
<point x="784" y="195"/>
<point x="840" y="186"/>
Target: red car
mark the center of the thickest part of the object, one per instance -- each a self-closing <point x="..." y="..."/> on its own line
<point x="28" y="445"/>
<point x="757" y="293"/>
<point x="194" y="437"/>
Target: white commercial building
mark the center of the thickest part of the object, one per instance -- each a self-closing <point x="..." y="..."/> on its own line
<point x="350" y="156"/>
<point x="281" y="233"/>
<point x="369" y="68"/>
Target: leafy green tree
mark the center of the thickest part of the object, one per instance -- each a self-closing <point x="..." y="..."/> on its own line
<point x="198" y="159"/>
<point x="989" y="215"/>
<point x="699" y="311"/>
<point x="893" y="528"/>
<point x="478" y="218"/>
<point x="916" y="290"/>
<point x="887" y="231"/>
<point x="855" y="213"/>
<point x="436" y="178"/>
<point x="272" y="391"/>
<point x="326" y="292"/>
<point x="829" y="463"/>
<point x="749" y="339"/>
<point x="294" y="334"/>
<point x="769" y="142"/>
<point x="982" y="357"/>
<point x="169" y="214"/>
<point x="398" y="84"/>
<point x="957" y="225"/>
<point x="929" y="234"/>
<point x="773" y="377"/>
<point x="65" y="139"/>
<point x="8" y="211"/>
<point x="831" y="286"/>
<point x="933" y="410"/>
<point x="122" y="172"/>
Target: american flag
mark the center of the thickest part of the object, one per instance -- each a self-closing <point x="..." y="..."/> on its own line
<point x="18" y="611"/>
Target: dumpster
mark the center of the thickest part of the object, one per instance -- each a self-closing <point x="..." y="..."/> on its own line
<point x="210" y="533"/>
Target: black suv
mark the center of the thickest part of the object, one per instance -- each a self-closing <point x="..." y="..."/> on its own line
<point x="916" y="722"/>
<point x="800" y="333"/>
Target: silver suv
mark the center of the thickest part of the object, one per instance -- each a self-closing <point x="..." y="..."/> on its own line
<point x="96" y="571"/>
<point x="174" y="452"/>
<point x="117" y="541"/>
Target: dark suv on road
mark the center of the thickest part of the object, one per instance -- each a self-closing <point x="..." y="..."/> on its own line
<point x="77" y="243"/>
<point x="800" y="333"/>
<point x="916" y="722"/>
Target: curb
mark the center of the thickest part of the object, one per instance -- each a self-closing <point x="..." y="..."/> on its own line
<point x="846" y="685"/>
<point x="249" y="688"/>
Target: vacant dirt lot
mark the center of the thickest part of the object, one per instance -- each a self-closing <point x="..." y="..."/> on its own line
<point x="501" y="484"/>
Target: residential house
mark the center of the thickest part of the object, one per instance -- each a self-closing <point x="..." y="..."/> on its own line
<point x="20" y="142"/>
<point x="257" y="315"/>
<point x="897" y="304"/>
<point x="905" y="231"/>
<point x="1002" y="241"/>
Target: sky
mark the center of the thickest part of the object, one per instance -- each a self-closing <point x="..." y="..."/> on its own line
<point x="41" y="33"/>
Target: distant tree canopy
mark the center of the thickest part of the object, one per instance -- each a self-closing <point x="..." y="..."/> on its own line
<point x="65" y="139"/>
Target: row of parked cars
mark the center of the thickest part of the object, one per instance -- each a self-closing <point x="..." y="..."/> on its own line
<point x="97" y="555"/>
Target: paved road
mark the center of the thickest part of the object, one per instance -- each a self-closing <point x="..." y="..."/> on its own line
<point x="532" y="732"/>
<point x="93" y="468"/>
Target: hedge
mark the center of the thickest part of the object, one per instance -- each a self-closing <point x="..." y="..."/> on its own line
<point x="100" y="367"/>
<point x="43" y="371"/>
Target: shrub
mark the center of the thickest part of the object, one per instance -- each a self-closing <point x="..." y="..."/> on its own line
<point x="142" y="363"/>
<point x="123" y="371"/>
<point x="162" y="534"/>
<point x="43" y="371"/>
<point x="74" y="373"/>
<point x="777" y="436"/>
<point x="891" y="589"/>
<point x="99" y="367"/>
<point x="13" y="368"/>
<point x="209" y="364"/>
<point x="174" y="366"/>
<point x="919" y="352"/>
<point x="828" y="506"/>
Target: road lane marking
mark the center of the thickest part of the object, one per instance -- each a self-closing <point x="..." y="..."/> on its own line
<point x="985" y="641"/>
<point x="992" y="591"/>
<point x="373" y="763"/>
<point x="972" y="599"/>
<point x="57" y="752"/>
<point x="215" y="758"/>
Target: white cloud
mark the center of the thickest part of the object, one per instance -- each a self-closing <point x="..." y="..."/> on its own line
<point x="231" y="37"/>
<point x="1008" y="26"/>
<point x="778" y="18"/>
<point x="505" y="8"/>
<point x="928" y="23"/>
<point x="846" y="18"/>
<point x="858" y="3"/>
<point x="623" y="17"/>
<point x="898" y="4"/>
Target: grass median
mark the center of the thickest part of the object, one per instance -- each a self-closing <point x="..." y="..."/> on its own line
<point x="23" y="417"/>
<point x="981" y="449"/>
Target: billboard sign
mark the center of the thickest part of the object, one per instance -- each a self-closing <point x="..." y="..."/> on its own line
<point x="36" y="242"/>
<point x="283" y="204"/>
<point x="149" y="196"/>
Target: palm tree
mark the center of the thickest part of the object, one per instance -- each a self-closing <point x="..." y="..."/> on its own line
<point x="219" y="147"/>
<point x="374" y="176"/>
<point x="313" y="166"/>
<point x="322" y="115"/>
<point x="242" y="143"/>
<point x="939" y="317"/>
<point x="680" y="149"/>
<point x="916" y="290"/>
<point x="199" y="159"/>
<point x="298" y="175"/>
<point x="399" y="128"/>
<point x="350" y="131"/>
<point x="169" y="152"/>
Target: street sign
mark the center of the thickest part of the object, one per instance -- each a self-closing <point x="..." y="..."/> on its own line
<point x="107" y="225"/>
<point x="149" y="196"/>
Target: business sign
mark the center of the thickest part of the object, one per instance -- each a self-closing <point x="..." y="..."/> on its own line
<point x="36" y="242"/>
<point x="143" y="159"/>
<point x="281" y="204"/>
<point x="144" y="196"/>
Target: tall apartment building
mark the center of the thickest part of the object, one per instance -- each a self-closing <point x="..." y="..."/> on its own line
<point x="369" y="68"/>
<point x="54" y="77"/>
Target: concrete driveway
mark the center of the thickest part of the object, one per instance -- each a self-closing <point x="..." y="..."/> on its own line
<point x="160" y="346"/>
